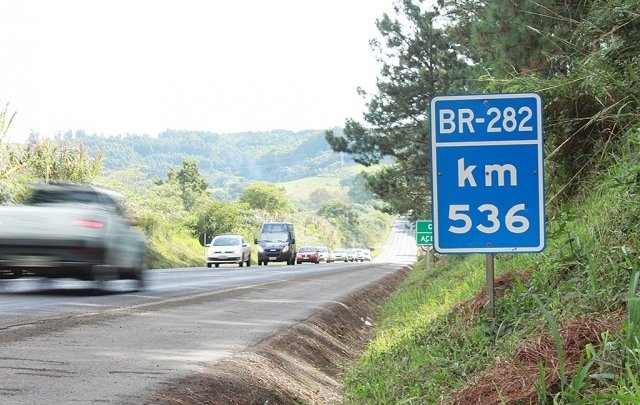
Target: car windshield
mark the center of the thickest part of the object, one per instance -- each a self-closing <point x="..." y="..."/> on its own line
<point x="338" y="250"/>
<point x="274" y="237"/>
<point x="225" y="241"/>
<point x="322" y="249"/>
<point x="307" y="249"/>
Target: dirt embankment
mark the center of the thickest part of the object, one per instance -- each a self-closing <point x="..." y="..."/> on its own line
<point x="298" y="365"/>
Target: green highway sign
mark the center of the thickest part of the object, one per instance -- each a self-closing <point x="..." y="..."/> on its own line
<point x="424" y="232"/>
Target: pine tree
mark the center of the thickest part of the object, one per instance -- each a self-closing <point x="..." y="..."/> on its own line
<point x="417" y="63"/>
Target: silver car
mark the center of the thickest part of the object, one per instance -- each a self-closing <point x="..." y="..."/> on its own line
<point x="228" y="249"/>
<point x="340" y="255"/>
<point x="71" y="230"/>
<point x="351" y="255"/>
<point x="325" y="255"/>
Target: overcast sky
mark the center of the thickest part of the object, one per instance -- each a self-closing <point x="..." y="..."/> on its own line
<point x="143" y="66"/>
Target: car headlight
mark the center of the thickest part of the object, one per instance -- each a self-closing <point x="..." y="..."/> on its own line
<point x="260" y="249"/>
<point x="285" y="249"/>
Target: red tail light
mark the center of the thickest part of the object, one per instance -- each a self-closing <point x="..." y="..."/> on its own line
<point x="88" y="223"/>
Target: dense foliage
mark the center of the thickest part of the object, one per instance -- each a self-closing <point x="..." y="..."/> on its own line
<point x="228" y="162"/>
<point x="584" y="58"/>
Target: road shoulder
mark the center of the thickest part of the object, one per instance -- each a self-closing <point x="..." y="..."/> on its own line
<point x="300" y="364"/>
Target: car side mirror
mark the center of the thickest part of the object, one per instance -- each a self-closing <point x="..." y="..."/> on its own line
<point x="255" y="241"/>
<point x="293" y="241"/>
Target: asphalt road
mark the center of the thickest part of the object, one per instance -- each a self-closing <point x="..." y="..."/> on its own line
<point x="65" y="342"/>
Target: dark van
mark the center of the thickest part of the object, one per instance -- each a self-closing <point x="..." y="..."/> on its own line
<point x="276" y="243"/>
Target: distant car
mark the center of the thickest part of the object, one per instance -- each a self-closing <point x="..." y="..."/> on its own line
<point x="366" y="254"/>
<point x="332" y="257"/>
<point x="228" y="249"/>
<point x="340" y="255"/>
<point x="325" y="255"/>
<point x="308" y="254"/>
<point x="359" y="257"/>
<point x="351" y="255"/>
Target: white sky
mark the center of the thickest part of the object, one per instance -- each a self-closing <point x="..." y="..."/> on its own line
<point x="143" y="66"/>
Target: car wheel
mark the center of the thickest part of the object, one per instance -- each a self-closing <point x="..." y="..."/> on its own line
<point x="217" y="265"/>
<point x="140" y="279"/>
<point x="209" y="265"/>
<point x="249" y="261"/>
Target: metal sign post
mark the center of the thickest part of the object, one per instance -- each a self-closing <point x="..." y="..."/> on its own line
<point x="487" y="175"/>
<point x="491" y="293"/>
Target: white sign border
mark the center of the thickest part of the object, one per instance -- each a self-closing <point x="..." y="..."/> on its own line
<point x="434" y="185"/>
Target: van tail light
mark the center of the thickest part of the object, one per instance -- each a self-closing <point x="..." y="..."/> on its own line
<point x="88" y="223"/>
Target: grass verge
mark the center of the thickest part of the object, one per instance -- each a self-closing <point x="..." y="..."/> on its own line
<point x="430" y="344"/>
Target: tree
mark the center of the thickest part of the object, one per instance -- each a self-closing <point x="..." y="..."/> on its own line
<point x="189" y="177"/>
<point x="217" y="218"/>
<point x="320" y="196"/>
<point x="506" y="37"/>
<point x="192" y="186"/>
<point x="358" y="192"/>
<point x="266" y="197"/>
<point x="417" y="63"/>
<point x="346" y="215"/>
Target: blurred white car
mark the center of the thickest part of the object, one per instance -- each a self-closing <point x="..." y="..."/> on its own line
<point x="71" y="230"/>
<point x="366" y="255"/>
<point x="325" y="255"/>
<point x="340" y="255"/>
<point x="351" y="255"/>
<point x="228" y="249"/>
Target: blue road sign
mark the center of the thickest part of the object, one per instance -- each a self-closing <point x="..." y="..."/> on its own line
<point x="487" y="173"/>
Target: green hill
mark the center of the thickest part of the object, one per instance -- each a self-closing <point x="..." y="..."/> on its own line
<point x="226" y="161"/>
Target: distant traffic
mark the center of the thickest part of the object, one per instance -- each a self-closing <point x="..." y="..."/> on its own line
<point x="277" y="243"/>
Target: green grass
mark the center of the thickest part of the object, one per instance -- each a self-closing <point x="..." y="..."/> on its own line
<point x="300" y="190"/>
<point x="423" y="352"/>
<point x="170" y="246"/>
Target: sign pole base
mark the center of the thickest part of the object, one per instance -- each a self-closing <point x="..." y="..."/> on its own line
<point x="491" y="294"/>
